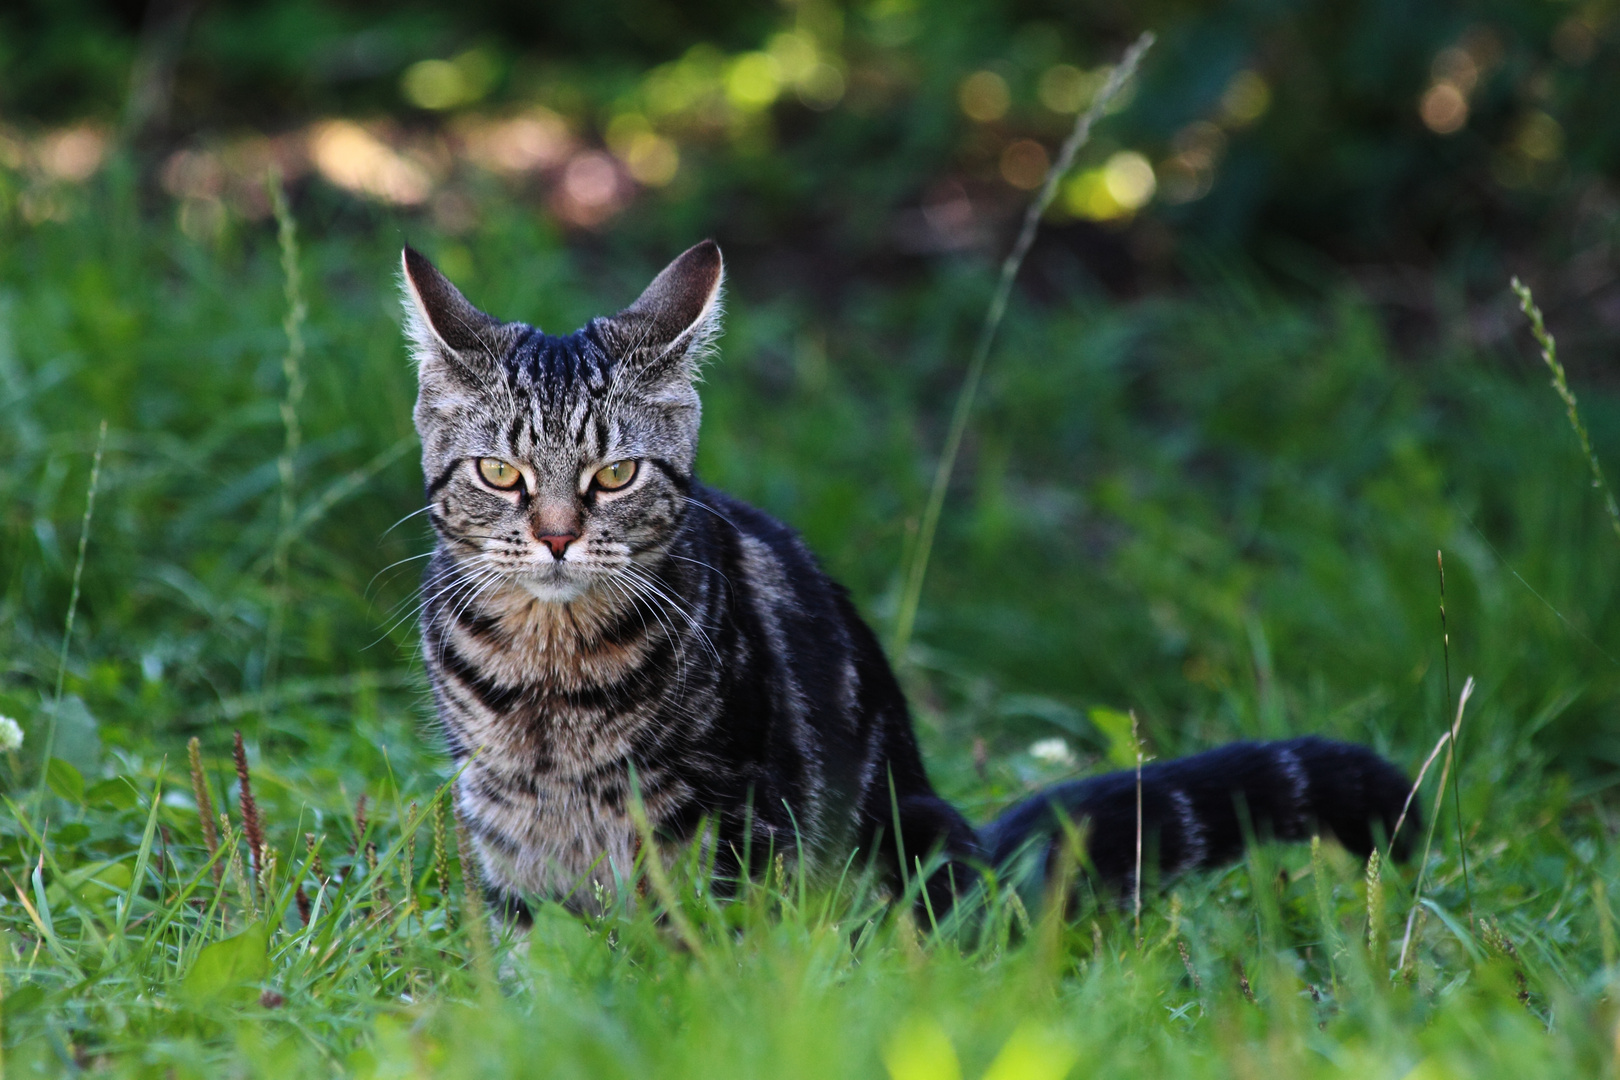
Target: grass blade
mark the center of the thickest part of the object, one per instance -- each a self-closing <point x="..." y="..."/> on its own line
<point x="1560" y="384"/>
<point x="73" y="609"/>
<point x="917" y="567"/>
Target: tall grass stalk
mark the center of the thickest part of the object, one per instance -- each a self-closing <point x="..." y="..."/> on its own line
<point x="73" y="609"/>
<point x="292" y="323"/>
<point x="1440" y="744"/>
<point x="1439" y="801"/>
<point x="1549" y="356"/>
<point x="917" y="565"/>
<point x="1136" y="889"/>
<point x="1456" y="730"/>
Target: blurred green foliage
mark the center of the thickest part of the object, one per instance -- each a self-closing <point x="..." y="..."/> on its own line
<point x="1436" y="134"/>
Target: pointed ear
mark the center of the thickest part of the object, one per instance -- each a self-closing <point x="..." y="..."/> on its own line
<point x="443" y="326"/>
<point x="675" y="319"/>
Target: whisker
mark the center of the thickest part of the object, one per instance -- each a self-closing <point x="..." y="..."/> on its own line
<point x="435" y="591"/>
<point x="637" y="592"/>
<point x="471" y="598"/>
<point x="699" y="562"/>
<point x="390" y="566"/>
<point x="705" y="506"/>
<point x="404" y="519"/>
<point x="661" y="589"/>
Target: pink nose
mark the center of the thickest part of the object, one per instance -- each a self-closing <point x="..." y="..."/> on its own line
<point x="558" y="542"/>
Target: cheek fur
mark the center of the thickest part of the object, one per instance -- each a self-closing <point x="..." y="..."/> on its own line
<point x="642" y="518"/>
<point x="483" y="518"/>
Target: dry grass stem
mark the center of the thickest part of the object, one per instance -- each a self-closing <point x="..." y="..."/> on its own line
<point x="314" y="850"/>
<point x="1451" y="754"/>
<point x="1439" y="801"/>
<point x="205" y="804"/>
<point x="359" y="825"/>
<point x="1444" y="741"/>
<point x="252" y="826"/>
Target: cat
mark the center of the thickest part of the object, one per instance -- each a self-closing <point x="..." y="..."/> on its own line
<point x="599" y="627"/>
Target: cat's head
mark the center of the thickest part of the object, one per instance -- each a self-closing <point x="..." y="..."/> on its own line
<point x="557" y="461"/>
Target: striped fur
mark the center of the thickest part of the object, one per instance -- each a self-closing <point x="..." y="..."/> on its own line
<point x="686" y="646"/>
<point x="1198" y="811"/>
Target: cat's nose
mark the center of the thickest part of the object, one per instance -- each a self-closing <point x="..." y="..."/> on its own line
<point x="557" y="542"/>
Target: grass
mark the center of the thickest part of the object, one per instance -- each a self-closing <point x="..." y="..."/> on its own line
<point x="1218" y="510"/>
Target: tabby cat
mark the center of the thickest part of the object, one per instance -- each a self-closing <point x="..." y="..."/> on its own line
<point x="600" y="626"/>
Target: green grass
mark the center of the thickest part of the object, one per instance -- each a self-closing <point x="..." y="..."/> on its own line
<point x="1219" y="509"/>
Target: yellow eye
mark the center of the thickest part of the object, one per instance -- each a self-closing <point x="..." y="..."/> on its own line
<point x="615" y="476"/>
<point x="499" y="474"/>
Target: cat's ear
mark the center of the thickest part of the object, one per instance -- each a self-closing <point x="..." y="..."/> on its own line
<point x="670" y="326"/>
<point x="448" y="335"/>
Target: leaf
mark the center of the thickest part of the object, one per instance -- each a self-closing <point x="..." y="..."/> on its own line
<point x="1033" y="1052"/>
<point x="921" y="1050"/>
<point x="65" y="780"/>
<point x="70" y="835"/>
<point x="1430" y="1068"/>
<point x="1116" y="728"/>
<point x="117" y="793"/>
<point x="24" y="999"/>
<point x="93" y="885"/>
<point x="229" y="969"/>
<point x="78" y="735"/>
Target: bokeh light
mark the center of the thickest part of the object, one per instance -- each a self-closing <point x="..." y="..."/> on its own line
<point x="1114" y="190"/>
<point x="447" y="84"/>
<point x="1064" y="88"/>
<point x="73" y="154"/>
<point x="984" y="96"/>
<point x="1024" y="164"/>
<point x="533" y="142"/>
<point x="1444" y="109"/>
<point x="1540" y="137"/>
<point x="650" y="158"/>
<point x="754" y="81"/>
<point x="353" y="158"/>
<point x="1130" y="179"/>
<point x="1246" y="98"/>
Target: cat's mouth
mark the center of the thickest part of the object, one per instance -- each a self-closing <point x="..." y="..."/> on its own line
<point x="557" y="583"/>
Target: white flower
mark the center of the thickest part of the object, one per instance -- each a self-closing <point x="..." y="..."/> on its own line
<point x="10" y="734"/>
<point x="1053" y="751"/>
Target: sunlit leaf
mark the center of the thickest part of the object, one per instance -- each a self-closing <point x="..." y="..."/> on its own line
<point x="228" y="970"/>
<point x="1033" y="1052"/>
<point x="64" y="780"/>
<point x="1116" y="728"/>
<point x="921" y="1050"/>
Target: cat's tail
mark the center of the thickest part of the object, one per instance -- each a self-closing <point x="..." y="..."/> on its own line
<point x="1198" y="811"/>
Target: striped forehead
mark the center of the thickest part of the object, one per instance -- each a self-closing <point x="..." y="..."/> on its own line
<point x="560" y="380"/>
<point x="556" y="370"/>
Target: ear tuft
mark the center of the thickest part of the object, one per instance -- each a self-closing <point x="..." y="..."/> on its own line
<point x="679" y="313"/>
<point x="441" y="320"/>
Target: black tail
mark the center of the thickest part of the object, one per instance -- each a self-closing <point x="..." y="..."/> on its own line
<point x="1197" y="811"/>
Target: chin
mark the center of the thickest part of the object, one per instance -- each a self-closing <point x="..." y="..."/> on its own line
<point x="553" y="588"/>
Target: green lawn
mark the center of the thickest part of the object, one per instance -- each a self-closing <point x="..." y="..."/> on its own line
<point x="1219" y="509"/>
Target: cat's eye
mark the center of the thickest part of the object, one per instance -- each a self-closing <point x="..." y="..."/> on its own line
<point x="615" y="476"/>
<point x="499" y="474"/>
